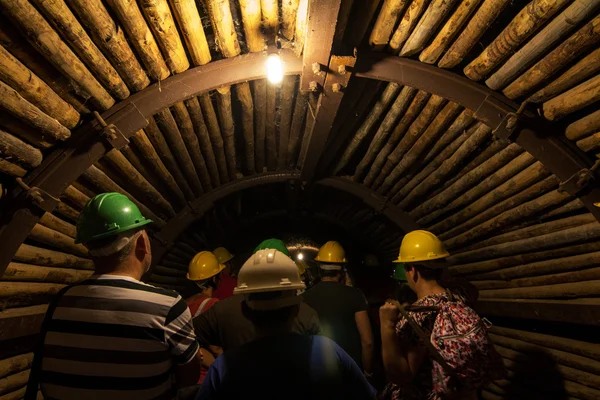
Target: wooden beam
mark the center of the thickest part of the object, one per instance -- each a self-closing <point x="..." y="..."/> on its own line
<point x="579" y="311"/>
<point x="322" y="23"/>
<point x="320" y="120"/>
<point x="23" y="321"/>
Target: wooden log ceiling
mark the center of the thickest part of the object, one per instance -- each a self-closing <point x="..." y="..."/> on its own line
<point x="417" y="124"/>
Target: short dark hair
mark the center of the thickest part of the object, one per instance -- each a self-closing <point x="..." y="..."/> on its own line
<point x="425" y="272"/>
<point x="269" y="318"/>
<point x="330" y="273"/>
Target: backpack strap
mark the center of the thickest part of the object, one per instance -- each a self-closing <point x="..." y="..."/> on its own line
<point x="425" y="338"/>
<point x="202" y="306"/>
<point x="36" y="366"/>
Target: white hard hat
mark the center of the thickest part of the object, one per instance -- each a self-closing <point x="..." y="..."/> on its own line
<point x="268" y="271"/>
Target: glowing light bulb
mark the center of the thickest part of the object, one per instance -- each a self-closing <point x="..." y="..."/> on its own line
<point x="274" y="69"/>
<point x="300" y="256"/>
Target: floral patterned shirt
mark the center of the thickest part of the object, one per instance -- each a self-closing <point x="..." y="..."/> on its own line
<point x="421" y="387"/>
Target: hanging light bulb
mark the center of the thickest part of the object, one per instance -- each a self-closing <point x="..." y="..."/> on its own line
<point x="300" y="256"/>
<point x="274" y="68"/>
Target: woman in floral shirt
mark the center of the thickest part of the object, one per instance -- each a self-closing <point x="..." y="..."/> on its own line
<point x="407" y="364"/>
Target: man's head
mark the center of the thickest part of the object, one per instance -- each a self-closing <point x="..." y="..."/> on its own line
<point x="331" y="272"/>
<point x="224" y="257"/>
<point x="111" y="227"/>
<point x="274" y="244"/>
<point x="423" y="256"/>
<point x="204" y="270"/>
<point x="331" y="253"/>
<point x="331" y="260"/>
<point x="417" y="274"/>
<point x="269" y="280"/>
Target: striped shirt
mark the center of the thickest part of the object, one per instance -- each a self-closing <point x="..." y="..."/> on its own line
<point x="114" y="337"/>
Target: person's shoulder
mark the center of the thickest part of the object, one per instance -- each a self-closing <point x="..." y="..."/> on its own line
<point x="311" y="291"/>
<point x="354" y="291"/>
<point x="324" y="341"/>
<point x="306" y="308"/>
<point x="326" y="345"/>
<point x="227" y="305"/>
<point x="132" y="285"/>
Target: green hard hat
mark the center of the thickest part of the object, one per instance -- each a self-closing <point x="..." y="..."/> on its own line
<point x="274" y="244"/>
<point x="108" y="214"/>
<point x="399" y="272"/>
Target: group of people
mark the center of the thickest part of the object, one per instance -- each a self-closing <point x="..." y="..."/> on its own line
<point x="254" y="335"/>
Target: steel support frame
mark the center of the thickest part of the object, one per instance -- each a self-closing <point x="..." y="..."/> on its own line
<point x="87" y="146"/>
<point x="374" y="200"/>
<point x="561" y="157"/>
<point x="320" y="33"/>
<point x="66" y="164"/>
<point x="321" y="120"/>
<point x="163" y="240"/>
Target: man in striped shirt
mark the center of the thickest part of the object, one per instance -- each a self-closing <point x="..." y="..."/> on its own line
<point x="112" y="336"/>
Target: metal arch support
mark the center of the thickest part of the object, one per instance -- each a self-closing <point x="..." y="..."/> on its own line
<point x="195" y="209"/>
<point x="379" y="203"/>
<point x="87" y="146"/>
<point x="495" y="110"/>
<point x="163" y="240"/>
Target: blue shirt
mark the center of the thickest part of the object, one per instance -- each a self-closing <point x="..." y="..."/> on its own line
<point x="288" y="366"/>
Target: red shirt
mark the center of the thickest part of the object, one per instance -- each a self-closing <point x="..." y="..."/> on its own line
<point x="226" y="285"/>
<point x="198" y="305"/>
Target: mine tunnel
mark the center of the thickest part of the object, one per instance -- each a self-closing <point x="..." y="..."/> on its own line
<point x="227" y="122"/>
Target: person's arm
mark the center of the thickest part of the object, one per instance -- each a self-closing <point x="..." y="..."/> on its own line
<point x="215" y="350"/>
<point x="356" y="385"/>
<point x="188" y="374"/>
<point x="206" y="327"/>
<point x="401" y="362"/>
<point x="209" y="390"/>
<point x="363" y="324"/>
<point x="184" y="348"/>
<point x="207" y="358"/>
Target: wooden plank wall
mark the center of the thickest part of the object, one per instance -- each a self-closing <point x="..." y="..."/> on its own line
<point x="498" y="210"/>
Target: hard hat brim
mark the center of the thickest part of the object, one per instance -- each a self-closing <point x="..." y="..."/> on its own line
<point x="227" y="259"/>
<point x="343" y="261"/>
<point x="221" y="268"/>
<point x="263" y="289"/>
<point x="115" y="232"/>
<point x="421" y="259"/>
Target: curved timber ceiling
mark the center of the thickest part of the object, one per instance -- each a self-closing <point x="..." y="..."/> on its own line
<point x="423" y="145"/>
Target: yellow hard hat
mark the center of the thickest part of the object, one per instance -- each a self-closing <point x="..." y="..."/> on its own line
<point x="222" y="254"/>
<point x="331" y="252"/>
<point x="421" y="246"/>
<point x="204" y="265"/>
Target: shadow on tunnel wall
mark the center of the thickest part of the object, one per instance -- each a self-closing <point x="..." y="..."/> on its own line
<point x="534" y="375"/>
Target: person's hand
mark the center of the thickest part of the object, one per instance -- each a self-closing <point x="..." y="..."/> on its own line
<point x="388" y="313"/>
